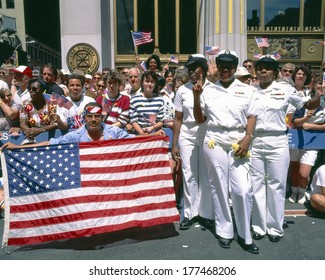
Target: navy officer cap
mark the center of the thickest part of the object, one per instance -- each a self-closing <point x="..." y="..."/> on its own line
<point x="227" y="56"/>
<point x="269" y="60"/>
<point x="196" y="60"/>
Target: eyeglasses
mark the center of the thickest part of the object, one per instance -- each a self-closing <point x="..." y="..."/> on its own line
<point x="100" y="86"/>
<point x="287" y="71"/>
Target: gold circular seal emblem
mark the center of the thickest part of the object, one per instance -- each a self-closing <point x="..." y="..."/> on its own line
<point x="84" y="57"/>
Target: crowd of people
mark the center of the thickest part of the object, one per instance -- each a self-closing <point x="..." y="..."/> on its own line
<point x="231" y="162"/>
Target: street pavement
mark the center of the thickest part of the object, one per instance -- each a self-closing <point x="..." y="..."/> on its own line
<point x="304" y="239"/>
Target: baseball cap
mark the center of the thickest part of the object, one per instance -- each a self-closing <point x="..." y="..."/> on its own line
<point x="267" y="60"/>
<point x="25" y="70"/>
<point x="227" y="56"/>
<point x="241" y="72"/>
<point x="196" y="59"/>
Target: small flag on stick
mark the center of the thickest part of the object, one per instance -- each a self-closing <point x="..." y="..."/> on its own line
<point x="174" y="59"/>
<point x="262" y="42"/>
<point x="141" y="38"/>
<point x="211" y="50"/>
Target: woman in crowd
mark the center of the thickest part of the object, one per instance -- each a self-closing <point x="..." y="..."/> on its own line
<point x="229" y="111"/>
<point x="38" y="114"/>
<point x="153" y="63"/>
<point x="270" y="152"/>
<point x="115" y="105"/>
<point x="187" y="147"/>
<point x="147" y="107"/>
<point x="301" y="161"/>
<point x="9" y="112"/>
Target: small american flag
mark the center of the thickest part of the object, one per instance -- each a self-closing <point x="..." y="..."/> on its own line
<point x="67" y="191"/>
<point x="211" y="50"/>
<point x="320" y="42"/>
<point x="277" y="55"/>
<point x="174" y="59"/>
<point x="143" y="66"/>
<point x="257" y="55"/>
<point x="262" y="42"/>
<point x="141" y="38"/>
<point x="60" y="100"/>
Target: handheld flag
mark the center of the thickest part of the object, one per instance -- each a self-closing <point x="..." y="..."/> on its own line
<point x="79" y="189"/>
<point x="320" y="42"/>
<point x="211" y="50"/>
<point x="141" y="38"/>
<point x="277" y="55"/>
<point x="257" y="55"/>
<point x="262" y="42"/>
<point x="143" y="66"/>
<point x="174" y="59"/>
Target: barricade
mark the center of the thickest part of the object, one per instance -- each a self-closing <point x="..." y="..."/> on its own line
<point x="297" y="138"/>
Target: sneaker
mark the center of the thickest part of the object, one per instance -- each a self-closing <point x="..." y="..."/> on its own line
<point x="301" y="198"/>
<point x="293" y="198"/>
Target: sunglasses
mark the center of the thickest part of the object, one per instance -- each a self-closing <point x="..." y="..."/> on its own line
<point x="287" y="71"/>
<point x="248" y="66"/>
<point x="100" y="86"/>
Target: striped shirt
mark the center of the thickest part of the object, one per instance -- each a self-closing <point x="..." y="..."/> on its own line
<point x="146" y="111"/>
<point x="118" y="110"/>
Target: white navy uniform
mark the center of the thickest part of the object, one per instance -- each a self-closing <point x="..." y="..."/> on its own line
<point x="197" y="194"/>
<point x="270" y="156"/>
<point x="227" y="110"/>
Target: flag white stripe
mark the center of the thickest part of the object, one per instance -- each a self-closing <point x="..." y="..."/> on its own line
<point x="125" y="175"/>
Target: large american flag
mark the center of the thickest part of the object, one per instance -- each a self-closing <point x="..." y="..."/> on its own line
<point x="66" y="191"/>
<point x="140" y="38"/>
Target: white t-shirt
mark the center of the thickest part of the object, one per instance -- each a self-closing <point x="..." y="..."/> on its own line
<point x="318" y="181"/>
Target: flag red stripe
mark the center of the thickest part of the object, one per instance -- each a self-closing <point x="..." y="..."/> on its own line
<point x="92" y="231"/>
<point x="124" y="168"/>
<point x="90" y="215"/>
<point x="125" y="182"/>
<point x="123" y="155"/>
<point x="88" y="199"/>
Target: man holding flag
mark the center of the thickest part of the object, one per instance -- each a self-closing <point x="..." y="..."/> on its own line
<point x="90" y="188"/>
